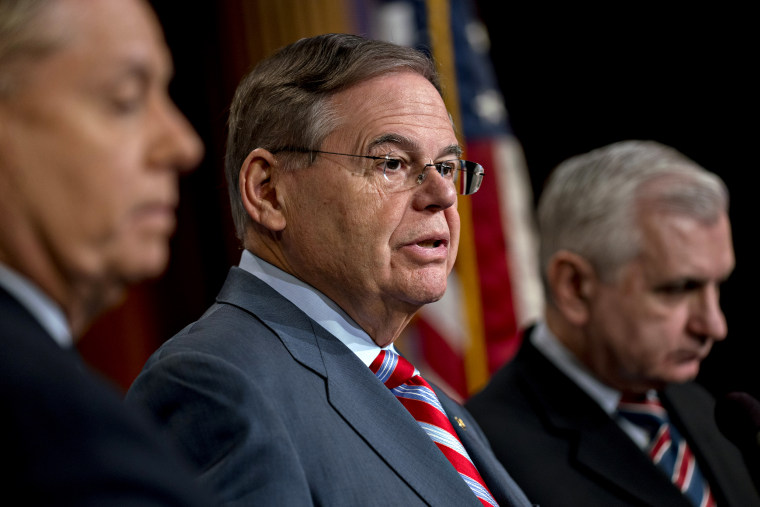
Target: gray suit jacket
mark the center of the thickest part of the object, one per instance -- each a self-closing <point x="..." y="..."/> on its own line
<point x="277" y="411"/>
<point x="543" y="425"/>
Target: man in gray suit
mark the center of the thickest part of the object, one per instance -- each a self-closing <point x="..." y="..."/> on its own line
<point x="343" y="171"/>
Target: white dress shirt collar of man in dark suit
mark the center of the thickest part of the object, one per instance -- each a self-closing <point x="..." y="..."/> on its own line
<point x="48" y="314"/>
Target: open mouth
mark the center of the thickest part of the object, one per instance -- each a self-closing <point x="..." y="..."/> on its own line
<point x="432" y="243"/>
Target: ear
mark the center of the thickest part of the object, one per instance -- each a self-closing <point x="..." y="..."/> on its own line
<point x="258" y="190"/>
<point x="572" y="283"/>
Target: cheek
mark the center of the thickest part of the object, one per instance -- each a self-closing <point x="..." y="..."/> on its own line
<point x="618" y="327"/>
<point x="664" y="320"/>
<point x="386" y="218"/>
<point x="333" y="231"/>
<point x="672" y="327"/>
<point x="97" y="165"/>
<point x="654" y="336"/>
<point x="453" y="221"/>
<point x="106" y="193"/>
<point x="356" y="222"/>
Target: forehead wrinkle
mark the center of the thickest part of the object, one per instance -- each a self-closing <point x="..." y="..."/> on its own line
<point x="150" y="56"/>
<point x="670" y="253"/>
<point x="403" y="142"/>
<point x="134" y="47"/>
<point x="410" y="145"/>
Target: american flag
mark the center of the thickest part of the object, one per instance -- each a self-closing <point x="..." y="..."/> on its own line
<point x="494" y="290"/>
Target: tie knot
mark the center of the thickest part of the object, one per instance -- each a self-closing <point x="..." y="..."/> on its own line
<point x="392" y="369"/>
<point x="644" y="411"/>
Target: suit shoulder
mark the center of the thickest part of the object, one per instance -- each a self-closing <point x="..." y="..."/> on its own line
<point x="506" y="388"/>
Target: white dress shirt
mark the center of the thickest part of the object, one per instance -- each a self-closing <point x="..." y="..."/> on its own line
<point x="48" y="314"/>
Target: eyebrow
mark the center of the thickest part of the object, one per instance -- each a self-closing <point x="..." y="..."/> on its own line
<point x="143" y="68"/>
<point x="407" y="144"/>
<point x="688" y="283"/>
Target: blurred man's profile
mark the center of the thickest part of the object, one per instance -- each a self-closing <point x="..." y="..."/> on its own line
<point x="91" y="147"/>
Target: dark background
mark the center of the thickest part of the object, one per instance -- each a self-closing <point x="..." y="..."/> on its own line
<point x="572" y="81"/>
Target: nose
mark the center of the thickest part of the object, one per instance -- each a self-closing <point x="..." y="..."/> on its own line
<point x="707" y="318"/>
<point x="176" y="145"/>
<point x="433" y="190"/>
<point x="423" y="174"/>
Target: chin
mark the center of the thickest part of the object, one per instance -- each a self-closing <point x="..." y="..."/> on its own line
<point x="427" y="296"/>
<point x="683" y="373"/>
<point x="150" y="262"/>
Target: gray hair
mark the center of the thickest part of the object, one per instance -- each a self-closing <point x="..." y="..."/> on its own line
<point x="20" y="39"/>
<point x="592" y="201"/>
<point x="284" y="101"/>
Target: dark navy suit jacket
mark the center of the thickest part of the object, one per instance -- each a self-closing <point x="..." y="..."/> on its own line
<point x="277" y="411"/>
<point x="542" y="425"/>
<point x="67" y="439"/>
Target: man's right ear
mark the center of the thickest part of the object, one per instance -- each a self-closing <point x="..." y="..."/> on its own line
<point x="572" y="282"/>
<point x="258" y="190"/>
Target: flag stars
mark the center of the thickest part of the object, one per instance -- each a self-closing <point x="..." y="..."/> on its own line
<point x="489" y="106"/>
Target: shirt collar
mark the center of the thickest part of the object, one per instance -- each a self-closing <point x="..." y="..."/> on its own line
<point x="45" y="310"/>
<point x="315" y="305"/>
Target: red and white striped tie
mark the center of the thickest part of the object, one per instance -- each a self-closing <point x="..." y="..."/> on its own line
<point x="418" y="398"/>
<point x="667" y="448"/>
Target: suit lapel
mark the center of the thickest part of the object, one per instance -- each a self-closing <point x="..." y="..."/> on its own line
<point x="354" y="392"/>
<point x="290" y="324"/>
<point x="592" y="435"/>
<point x="375" y="413"/>
<point x="503" y="488"/>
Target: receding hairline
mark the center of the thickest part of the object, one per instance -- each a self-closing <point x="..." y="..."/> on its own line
<point x="391" y="137"/>
<point x="37" y="35"/>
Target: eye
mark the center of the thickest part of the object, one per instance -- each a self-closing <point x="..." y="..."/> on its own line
<point x="680" y="288"/>
<point x="124" y="105"/>
<point x="447" y="168"/>
<point x="392" y="164"/>
<point x="127" y="96"/>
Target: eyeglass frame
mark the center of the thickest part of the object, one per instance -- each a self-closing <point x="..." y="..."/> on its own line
<point x="472" y="169"/>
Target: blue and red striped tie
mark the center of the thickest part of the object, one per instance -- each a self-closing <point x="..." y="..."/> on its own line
<point x="418" y="398"/>
<point x="667" y="448"/>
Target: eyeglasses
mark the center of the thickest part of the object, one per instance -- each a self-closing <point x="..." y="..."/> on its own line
<point x="466" y="176"/>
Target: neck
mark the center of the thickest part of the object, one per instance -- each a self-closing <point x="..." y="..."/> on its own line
<point x="89" y="299"/>
<point x="382" y="322"/>
<point x="80" y="299"/>
<point x="385" y="330"/>
<point x="569" y="336"/>
<point x="597" y="359"/>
